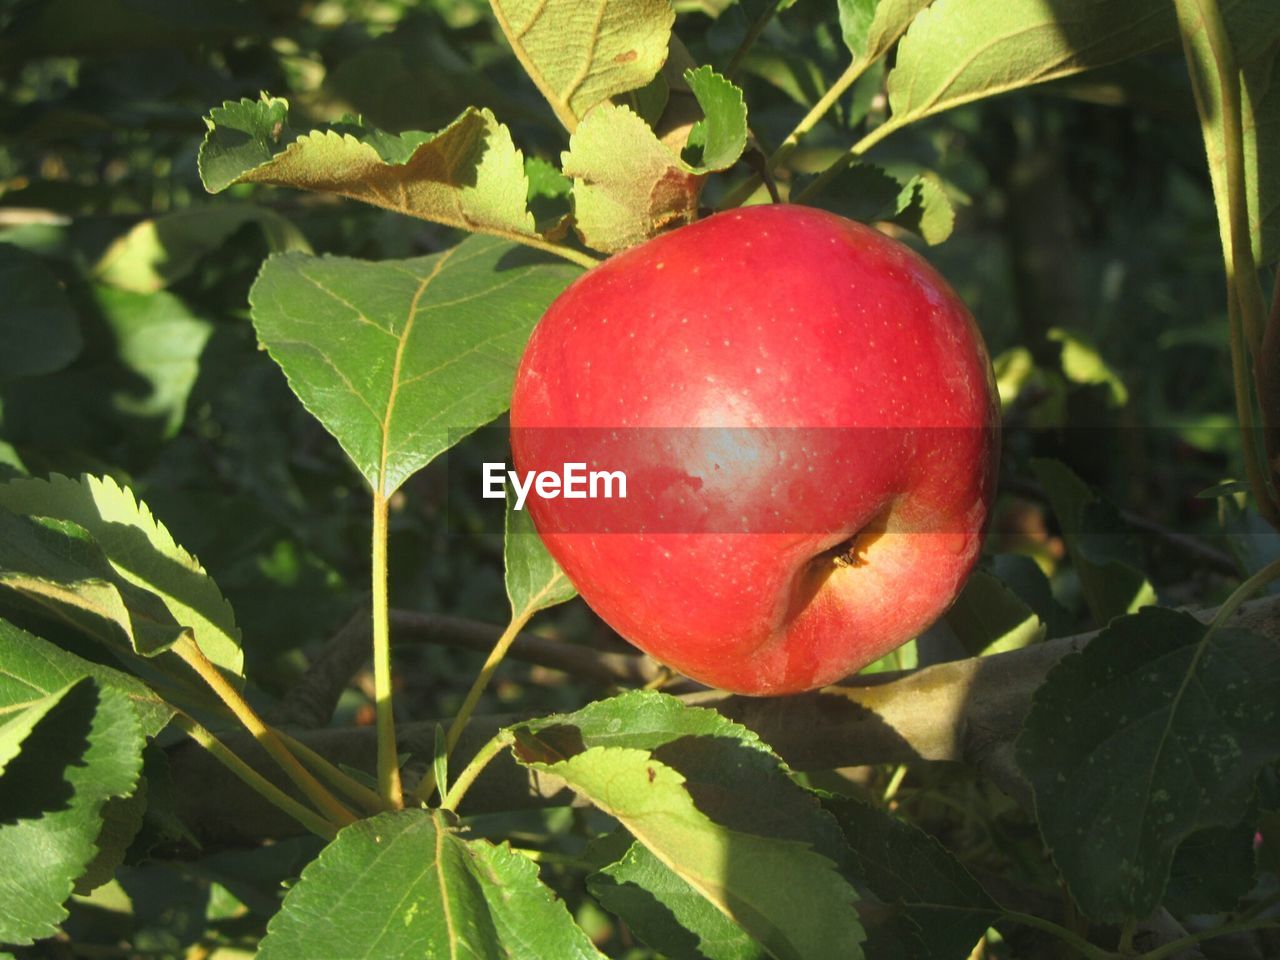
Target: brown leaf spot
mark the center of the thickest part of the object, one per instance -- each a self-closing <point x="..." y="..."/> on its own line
<point x="626" y="57"/>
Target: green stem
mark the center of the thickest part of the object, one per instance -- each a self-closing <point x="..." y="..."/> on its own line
<point x="388" y="761"/>
<point x="428" y="785"/>
<point x="1085" y="948"/>
<point x="1126" y="936"/>
<point x="1244" y="296"/>
<point x="894" y="783"/>
<point x="741" y="193"/>
<point x="1242" y="593"/>
<point x="254" y="780"/>
<point x="1174" y="947"/>
<point x="349" y="786"/>
<point x="473" y="769"/>
<point x="753" y="34"/>
<point x="267" y="738"/>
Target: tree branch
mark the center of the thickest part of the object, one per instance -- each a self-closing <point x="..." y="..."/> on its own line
<point x="311" y="702"/>
<point x="967" y="711"/>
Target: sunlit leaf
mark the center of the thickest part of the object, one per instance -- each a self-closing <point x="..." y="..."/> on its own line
<point x="469" y="175"/>
<point x="85" y="749"/>
<point x="406" y="884"/>
<point x="401" y="359"/>
<point x="581" y="54"/>
<point x="140" y="551"/>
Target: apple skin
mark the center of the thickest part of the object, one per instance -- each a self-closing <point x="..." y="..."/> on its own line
<point x="841" y="511"/>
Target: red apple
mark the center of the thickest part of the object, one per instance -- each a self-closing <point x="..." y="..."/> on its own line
<point x="807" y="419"/>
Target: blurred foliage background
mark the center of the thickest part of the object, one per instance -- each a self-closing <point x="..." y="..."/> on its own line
<point x="1085" y="245"/>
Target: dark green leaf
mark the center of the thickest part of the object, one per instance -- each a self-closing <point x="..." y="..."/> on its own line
<point x="1212" y="869"/>
<point x="989" y="618"/>
<point x="1153" y="733"/>
<point x="1111" y="587"/>
<point x="534" y="579"/>
<point x="38" y="327"/>
<point x="667" y="913"/>
<point x="944" y="910"/>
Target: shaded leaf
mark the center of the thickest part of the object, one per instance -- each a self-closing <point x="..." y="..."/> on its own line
<point x="785" y="894"/>
<point x="1111" y="586"/>
<point x="1212" y="869"/>
<point x="140" y="551"/>
<point x="39" y="331"/>
<point x="405" y="884"/>
<point x="989" y="618"/>
<point x="401" y="359"/>
<point x="666" y="912"/>
<point x="534" y="580"/>
<point x="1153" y="733"/>
<point x="87" y="750"/>
<point x="162" y="250"/>
<point x="716" y="798"/>
<point x="469" y="175"/>
<point x="579" y="55"/>
<point x="944" y="910"/>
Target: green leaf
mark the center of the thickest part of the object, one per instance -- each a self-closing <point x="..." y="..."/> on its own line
<point x="159" y="341"/>
<point x="31" y="668"/>
<point x="666" y="912"/>
<point x="1082" y="363"/>
<point x="1111" y="586"/>
<point x="580" y="55"/>
<point x="1152" y="733"/>
<point x="1213" y="869"/>
<point x="401" y="359"/>
<point x="720" y="136"/>
<point x="855" y="23"/>
<point x="628" y="185"/>
<point x="407" y="885"/>
<point x="39" y="331"/>
<point x="943" y="909"/>
<point x="785" y="894"/>
<point x="718" y="797"/>
<point x="141" y="552"/>
<point x="868" y="193"/>
<point x="925" y="209"/>
<point x="989" y="618"/>
<point x="957" y="51"/>
<point x="469" y="175"/>
<point x="891" y="21"/>
<point x="534" y="579"/>
<point x="86" y="750"/>
<point x="56" y="566"/>
<point x="157" y="252"/>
